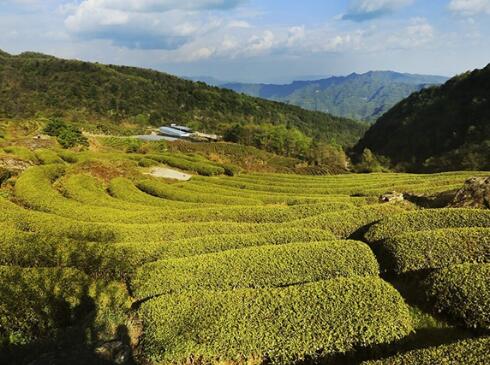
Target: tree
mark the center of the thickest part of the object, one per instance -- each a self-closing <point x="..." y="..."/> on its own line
<point x="369" y="162"/>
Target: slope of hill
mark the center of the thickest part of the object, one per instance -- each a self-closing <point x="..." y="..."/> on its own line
<point x="440" y="128"/>
<point x="32" y="83"/>
<point x="358" y="96"/>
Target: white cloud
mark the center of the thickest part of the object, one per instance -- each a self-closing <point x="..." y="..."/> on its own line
<point x="361" y="10"/>
<point x="239" y="24"/>
<point x="418" y="33"/>
<point x="145" y="24"/>
<point x="470" y="7"/>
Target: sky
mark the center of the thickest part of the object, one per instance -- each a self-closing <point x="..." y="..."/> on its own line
<point x="256" y="40"/>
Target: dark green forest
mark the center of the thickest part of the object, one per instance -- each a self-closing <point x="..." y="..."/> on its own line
<point x="437" y="129"/>
<point x="106" y="96"/>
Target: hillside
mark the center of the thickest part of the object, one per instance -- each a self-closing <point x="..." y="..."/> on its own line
<point x="103" y="262"/>
<point x="358" y="96"/>
<point x="35" y="84"/>
<point x="437" y="129"/>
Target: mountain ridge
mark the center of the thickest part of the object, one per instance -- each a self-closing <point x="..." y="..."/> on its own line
<point x="440" y="128"/>
<point x="363" y="96"/>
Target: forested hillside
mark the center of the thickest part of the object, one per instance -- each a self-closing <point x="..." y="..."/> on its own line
<point x="440" y="128"/>
<point x="35" y="84"/>
<point x="359" y="96"/>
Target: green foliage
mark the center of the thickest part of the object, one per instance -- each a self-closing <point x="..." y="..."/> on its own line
<point x="35" y="303"/>
<point x="203" y="167"/>
<point x="437" y="129"/>
<point x="47" y="156"/>
<point x="468" y="352"/>
<point x="463" y="293"/>
<point x="67" y="135"/>
<point x="437" y="248"/>
<point x="333" y="315"/>
<point x="21" y="152"/>
<point x="5" y="174"/>
<point x="216" y="243"/>
<point x="428" y="219"/>
<point x="274" y="138"/>
<point x="257" y="267"/>
<point x="368" y="163"/>
<point x="147" y="162"/>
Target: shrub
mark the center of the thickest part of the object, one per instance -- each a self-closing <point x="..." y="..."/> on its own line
<point x="46" y="156"/>
<point x="437" y="248"/>
<point x="257" y="267"/>
<point x="467" y="352"/>
<point x="347" y="222"/>
<point x="201" y="167"/>
<point x="215" y="243"/>
<point x="4" y="175"/>
<point x="35" y="303"/>
<point x="283" y="323"/>
<point x="171" y="192"/>
<point x="146" y="162"/>
<point x="463" y="293"/>
<point x="68" y="156"/>
<point x="428" y="219"/>
<point x="22" y="152"/>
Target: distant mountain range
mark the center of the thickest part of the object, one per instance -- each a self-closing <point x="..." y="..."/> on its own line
<point x="357" y="96"/>
<point x="437" y="129"/>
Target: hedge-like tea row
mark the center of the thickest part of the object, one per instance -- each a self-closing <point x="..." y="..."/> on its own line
<point x="466" y="352"/>
<point x="215" y="243"/>
<point x="201" y="167"/>
<point x="36" y="303"/>
<point x="438" y="248"/>
<point x="168" y="191"/>
<point x="55" y="226"/>
<point x="428" y="219"/>
<point x="124" y="189"/>
<point x="284" y="323"/>
<point x="257" y="267"/>
<point x="345" y="223"/>
<point x="463" y="293"/>
<point x="46" y="156"/>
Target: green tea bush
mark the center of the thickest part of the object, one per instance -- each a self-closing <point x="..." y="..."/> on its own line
<point x="68" y="156"/>
<point x="463" y="293"/>
<point x="438" y="248"/>
<point x="46" y="156"/>
<point x="124" y="189"/>
<point x="147" y="162"/>
<point x="201" y="167"/>
<point x="215" y="243"/>
<point x="35" y="303"/>
<point x="286" y="324"/>
<point x="346" y="222"/>
<point x="428" y="219"/>
<point x="467" y="352"/>
<point x="168" y="191"/>
<point x="257" y="267"/>
<point x="22" y="152"/>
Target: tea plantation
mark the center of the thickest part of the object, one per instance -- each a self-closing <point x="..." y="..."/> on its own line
<point x="248" y="268"/>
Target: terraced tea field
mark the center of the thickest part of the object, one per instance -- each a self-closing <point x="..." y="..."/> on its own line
<point x="252" y="267"/>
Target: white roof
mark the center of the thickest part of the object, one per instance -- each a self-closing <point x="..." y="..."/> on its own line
<point x="169" y="131"/>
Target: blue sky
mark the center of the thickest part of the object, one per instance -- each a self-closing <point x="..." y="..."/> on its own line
<point x="256" y="41"/>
